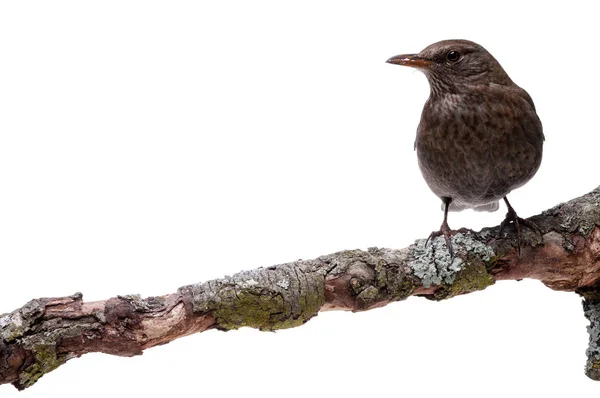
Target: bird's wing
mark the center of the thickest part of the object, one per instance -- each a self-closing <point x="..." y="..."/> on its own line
<point x="518" y="138"/>
<point x="527" y="98"/>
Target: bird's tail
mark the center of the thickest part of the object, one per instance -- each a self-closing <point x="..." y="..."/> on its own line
<point x="493" y="206"/>
<point x="488" y="207"/>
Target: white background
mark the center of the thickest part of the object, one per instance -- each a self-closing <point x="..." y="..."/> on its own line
<point x="148" y="145"/>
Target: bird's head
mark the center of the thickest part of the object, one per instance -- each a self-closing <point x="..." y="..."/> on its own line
<point x="451" y="65"/>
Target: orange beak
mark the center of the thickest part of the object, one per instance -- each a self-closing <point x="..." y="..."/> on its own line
<point x="412" y="60"/>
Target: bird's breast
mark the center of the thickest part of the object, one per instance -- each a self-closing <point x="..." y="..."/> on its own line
<point x="477" y="148"/>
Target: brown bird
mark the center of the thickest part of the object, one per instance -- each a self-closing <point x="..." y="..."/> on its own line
<point x="479" y="136"/>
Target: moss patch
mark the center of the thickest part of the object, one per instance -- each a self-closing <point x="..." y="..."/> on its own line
<point x="264" y="311"/>
<point x="471" y="278"/>
<point x="278" y="297"/>
<point x="46" y="361"/>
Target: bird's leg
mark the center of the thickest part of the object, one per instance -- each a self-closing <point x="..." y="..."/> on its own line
<point x="444" y="229"/>
<point x="512" y="216"/>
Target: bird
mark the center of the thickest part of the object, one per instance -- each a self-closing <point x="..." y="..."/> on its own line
<point x="479" y="137"/>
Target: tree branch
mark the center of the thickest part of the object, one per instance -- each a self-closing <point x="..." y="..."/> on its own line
<point x="47" y="332"/>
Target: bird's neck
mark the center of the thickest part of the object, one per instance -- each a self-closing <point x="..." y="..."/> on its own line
<point x="440" y="88"/>
<point x="441" y="85"/>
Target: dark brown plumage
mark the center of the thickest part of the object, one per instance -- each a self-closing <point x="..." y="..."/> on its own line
<point x="479" y="136"/>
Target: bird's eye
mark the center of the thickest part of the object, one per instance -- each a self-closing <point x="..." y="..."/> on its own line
<point x="453" y="56"/>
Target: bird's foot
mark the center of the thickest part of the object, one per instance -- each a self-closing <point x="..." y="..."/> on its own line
<point x="447" y="233"/>
<point x="512" y="217"/>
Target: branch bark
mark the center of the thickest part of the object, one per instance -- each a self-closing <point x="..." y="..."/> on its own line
<point x="45" y="333"/>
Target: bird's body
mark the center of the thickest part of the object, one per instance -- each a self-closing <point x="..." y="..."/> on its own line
<point x="479" y="136"/>
<point x="476" y="147"/>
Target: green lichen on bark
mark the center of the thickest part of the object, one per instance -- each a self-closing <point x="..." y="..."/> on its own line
<point x="472" y="277"/>
<point x="465" y="272"/>
<point x="27" y="329"/>
<point x="278" y="297"/>
<point x="46" y="360"/>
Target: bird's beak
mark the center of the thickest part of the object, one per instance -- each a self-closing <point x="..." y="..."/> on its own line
<point x="412" y="60"/>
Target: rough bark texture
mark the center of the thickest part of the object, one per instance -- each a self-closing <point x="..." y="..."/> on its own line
<point x="45" y="333"/>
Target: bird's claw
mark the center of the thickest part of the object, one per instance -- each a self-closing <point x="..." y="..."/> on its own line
<point x="447" y="233"/>
<point x="512" y="217"/>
